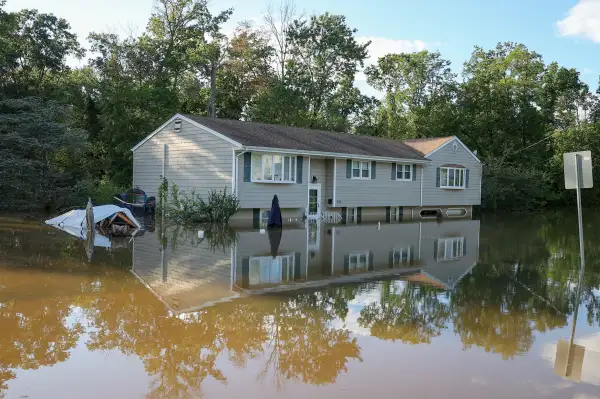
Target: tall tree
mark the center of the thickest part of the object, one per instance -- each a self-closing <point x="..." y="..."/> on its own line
<point x="324" y="56"/>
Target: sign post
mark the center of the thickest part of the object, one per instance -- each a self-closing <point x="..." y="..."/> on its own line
<point x="578" y="175"/>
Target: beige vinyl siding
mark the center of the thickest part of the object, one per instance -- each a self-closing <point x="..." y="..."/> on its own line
<point x="381" y="191"/>
<point x="260" y="195"/>
<point x="196" y="159"/>
<point x="433" y="195"/>
<point x="191" y="275"/>
<point x="364" y="238"/>
<point x="449" y="271"/>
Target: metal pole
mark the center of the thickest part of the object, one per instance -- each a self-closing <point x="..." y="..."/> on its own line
<point x="578" y="164"/>
<point x="578" y="175"/>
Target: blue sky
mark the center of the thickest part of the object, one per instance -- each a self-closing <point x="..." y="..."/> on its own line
<point x="567" y="31"/>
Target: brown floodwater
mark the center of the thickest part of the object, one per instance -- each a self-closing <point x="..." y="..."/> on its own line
<point x="496" y="308"/>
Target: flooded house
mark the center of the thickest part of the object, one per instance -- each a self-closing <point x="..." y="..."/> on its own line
<point x="316" y="174"/>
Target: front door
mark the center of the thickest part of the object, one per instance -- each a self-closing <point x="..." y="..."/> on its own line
<point x="314" y="201"/>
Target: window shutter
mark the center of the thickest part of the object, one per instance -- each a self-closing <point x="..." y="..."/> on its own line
<point x="297" y="266"/>
<point x="465" y="246"/>
<point x="391" y="259"/>
<point x="348" y="168"/>
<point x="299" y="162"/>
<point x="373" y="170"/>
<point x="400" y="213"/>
<point x="346" y="263"/>
<point x="467" y="178"/>
<point x="388" y="216"/>
<point x="414" y="172"/>
<point x="437" y="177"/>
<point x="370" y="260"/>
<point x="394" y="171"/>
<point x="247" y="166"/>
<point x="411" y="257"/>
<point x="245" y="272"/>
<point x="255" y="218"/>
<point x="435" y="249"/>
<point x="344" y="215"/>
<point x="358" y="215"/>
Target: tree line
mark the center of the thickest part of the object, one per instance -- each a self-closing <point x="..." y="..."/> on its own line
<point x="66" y="132"/>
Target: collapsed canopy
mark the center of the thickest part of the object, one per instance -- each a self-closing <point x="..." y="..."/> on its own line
<point x="75" y="219"/>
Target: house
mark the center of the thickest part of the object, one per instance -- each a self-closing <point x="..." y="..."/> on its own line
<point x="314" y="173"/>
<point x="189" y="274"/>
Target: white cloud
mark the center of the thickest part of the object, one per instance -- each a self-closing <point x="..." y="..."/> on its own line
<point x="582" y="20"/>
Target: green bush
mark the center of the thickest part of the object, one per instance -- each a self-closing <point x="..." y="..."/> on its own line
<point x="185" y="208"/>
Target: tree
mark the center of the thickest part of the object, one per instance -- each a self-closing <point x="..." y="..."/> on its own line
<point x="417" y="86"/>
<point x="324" y="55"/>
<point x="34" y="47"/>
<point x="278" y="27"/>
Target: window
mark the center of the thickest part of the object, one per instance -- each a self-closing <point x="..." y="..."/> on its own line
<point x="358" y="261"/>
<point x="401" y="257"/>
<point x="351" y="218"/>
<point x="395" y="214"/>
<point x="452" y="178"/>
<point x="273" y="168"/>
<point x="264" y="217"/>
<point x="403" y="171"/>
<point x="450" y="248"/>
<point x="269" y="270"/>
<point x="361" y="169"/>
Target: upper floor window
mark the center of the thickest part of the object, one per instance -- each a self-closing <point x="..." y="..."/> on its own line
<point x="401" y="257"/>
<point x="452" y="178"/>
<point x="403" y="171"/>
<point x="273" y="168"/>
<point x="361" y="169"/>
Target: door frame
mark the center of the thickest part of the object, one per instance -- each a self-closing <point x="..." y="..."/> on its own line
<point x="314" y="186"/>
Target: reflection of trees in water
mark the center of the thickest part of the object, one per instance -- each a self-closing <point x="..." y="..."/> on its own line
<point x="408" y="312"/>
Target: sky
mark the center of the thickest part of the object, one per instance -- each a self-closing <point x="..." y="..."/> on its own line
<point x="566" y="31"/>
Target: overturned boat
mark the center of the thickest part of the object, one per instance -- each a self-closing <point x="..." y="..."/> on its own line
<point x="106" y="220"/>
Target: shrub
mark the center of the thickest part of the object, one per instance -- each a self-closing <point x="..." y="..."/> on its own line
<point x="190" y="208"/>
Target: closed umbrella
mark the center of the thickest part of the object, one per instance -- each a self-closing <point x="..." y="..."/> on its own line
<point x="275" y="215"/>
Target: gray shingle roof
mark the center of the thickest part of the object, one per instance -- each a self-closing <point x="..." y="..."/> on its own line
<point x="292" y="138"/>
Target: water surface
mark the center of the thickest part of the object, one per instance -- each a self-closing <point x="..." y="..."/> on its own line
<point x="461" y="309"/>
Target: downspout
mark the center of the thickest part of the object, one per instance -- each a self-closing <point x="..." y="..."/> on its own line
<point x="422" y="173"/>
<point x="235" y="171"/>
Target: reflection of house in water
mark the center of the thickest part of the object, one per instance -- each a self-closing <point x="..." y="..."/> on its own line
<point x="191" y="276"/>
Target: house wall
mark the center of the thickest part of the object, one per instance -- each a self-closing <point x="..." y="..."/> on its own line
<point x="381" y="191"/>
<point x="328" y="192"/>
<point x="433" y="195"/>
<point x="196" y="160"/>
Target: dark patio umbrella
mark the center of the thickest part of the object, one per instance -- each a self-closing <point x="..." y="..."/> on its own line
<point x="275" y="215"/>
<point x="274" y="240"/>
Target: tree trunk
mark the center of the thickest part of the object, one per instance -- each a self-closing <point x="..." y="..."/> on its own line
<point x="213" y="91"/>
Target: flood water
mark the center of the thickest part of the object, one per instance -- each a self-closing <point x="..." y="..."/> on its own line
<point x="461" y="309"/>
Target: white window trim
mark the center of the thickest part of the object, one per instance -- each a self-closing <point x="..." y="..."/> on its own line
<point x="262" y="220"/>
<point x="401" y="166"/>
<point x="456" y="209"/>
<point x="450" y="241"/>
<point x="292" y="179"/>
<point x="357" y="255"/>
<point x="400" y="250"/>
<point x="360" y="169"/>
<point x="445" y="185"/>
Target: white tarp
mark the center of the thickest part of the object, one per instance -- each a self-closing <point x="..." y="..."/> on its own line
<point x="75" y="219"/>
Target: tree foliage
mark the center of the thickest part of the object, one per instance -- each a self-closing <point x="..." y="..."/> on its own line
<point x="519" y="112"/>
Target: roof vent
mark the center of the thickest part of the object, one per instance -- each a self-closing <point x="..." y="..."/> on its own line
<point x="454" y="146"/>
<point x="177" y="125"/>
